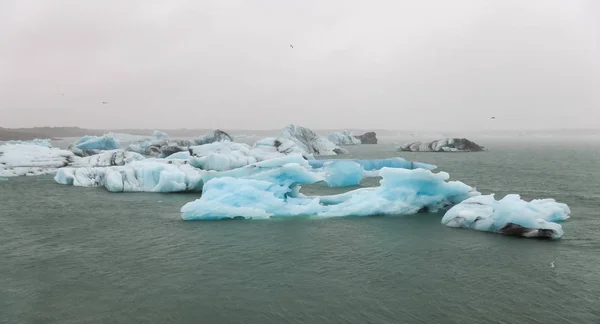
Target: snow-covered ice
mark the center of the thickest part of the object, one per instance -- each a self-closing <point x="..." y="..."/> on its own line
<point x="401" y="192"/>
<point x="510" y="215"/>
<point x="343" y="138"/>
<point x="32" y="159"/>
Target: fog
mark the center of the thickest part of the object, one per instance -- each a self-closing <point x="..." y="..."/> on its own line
<point x="422" y="65"/>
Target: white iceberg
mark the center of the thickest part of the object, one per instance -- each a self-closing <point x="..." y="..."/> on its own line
<point x="343" y="138"/>
<point x="309" y="141"/>
<point x="159" y="145"/>
<point x="37" y="141"/>
<point x="107" y="158"/>
<point x="32" y="159"/>
<point x="401" y="192"/>
<point x="511" y="216"/>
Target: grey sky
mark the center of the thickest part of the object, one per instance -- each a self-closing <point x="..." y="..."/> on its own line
<point x="356" y="64"/>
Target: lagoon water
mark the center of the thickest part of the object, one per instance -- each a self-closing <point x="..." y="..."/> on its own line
<point x="83" y="255"/>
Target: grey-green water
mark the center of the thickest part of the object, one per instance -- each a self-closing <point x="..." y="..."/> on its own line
<point x="83" y="255"/>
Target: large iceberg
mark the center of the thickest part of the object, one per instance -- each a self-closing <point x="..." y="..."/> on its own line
<point x="107" y="158"/>
<point x="442" y="145"/>
<point x="367" y="138"/>
<point x="511" y="216"/>
<point x="32" y="159"/>
<point x="309" y="141"/>
<point x="40" y="142"/>
<point x="214" y="136"/>
<point x="283" y="146"/>
<point x="401" y="192"/>
<point x="343" y="138"/>
<point x="138" y="176"/>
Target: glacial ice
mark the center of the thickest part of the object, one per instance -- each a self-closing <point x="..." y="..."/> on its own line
<point x="343" y="138"/>
<point x="107" y="158"/>
<point x="100" y="143"/>
<point x="214" y="136"/>
<point x="184" y="155"/>
<point x="343" y="173"/>
<point x="442" y="145"/>
<point x="401" y="192"/>
<point x="137" y="176"/>
<point x="32" y="159"/>
<point x="159" y="145"/>
<point x="511" y="216"/>
<point x="283" y="146"/>
<point x="37" y="141"/>
<point x="376" y="164"/>
<point x="309" y="141"/>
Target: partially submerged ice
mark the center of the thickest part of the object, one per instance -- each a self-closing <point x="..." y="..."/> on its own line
<point x="510" y="215"/>
<point x="343" y="138"/>
<point x="376" y="164"/>
<point x="401" y="192"/>
<point x="309" y="141"/>
<point x="442" y="145"/>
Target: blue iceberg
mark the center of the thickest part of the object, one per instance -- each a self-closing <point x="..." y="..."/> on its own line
<point x="401" y="192"/>
<point x="510" y="216"/>
<point x="104" y="142"/>
<point x="376" y="164"/>
<point x="343" y="173"/>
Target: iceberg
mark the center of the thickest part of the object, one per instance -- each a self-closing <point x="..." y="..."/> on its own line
<point x="343" y="173"/>
<point x="401" y="192"/>
<point x="376" y="164"/>
<point x="137" y="176"/>
<point x="215" y="136"/>
<point x="37" y="141"/>
<point x="282" y="146"/>
<point x="90" y="145"/>
<point x="343" y="138"/>
<point x="32" y="159"/>
<point x="309" y="141"/>
<point x="159" y="145"/>
<point x="510" y="216"/>
<point x="442" y="145"/>
<point x="367" y="138"/>
<point x="107" y="158"/>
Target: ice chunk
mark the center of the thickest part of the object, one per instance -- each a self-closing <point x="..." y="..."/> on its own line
<point x="376" y="164"/>
<point x="32" y="159"/>
<point x="104" y="142"/>
<point x="309" y="141"/>
<point x="283" y="146"/>
<point x="215" y="136"/>
<point x="180" y="156"/>
<point x="511" y="215"/>
<point x="107" y="158"/>
<point x="37" y="141"/>
<point x="159" y="145"/>
<point x="401" y="192"/>
<point x="343" y="138"/>
<point x="343" y="173"/>
<point x="138" y="176"/>
<point x="442" y="145"/>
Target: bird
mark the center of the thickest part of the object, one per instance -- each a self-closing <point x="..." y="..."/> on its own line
<point x="493" y="117"/>
<point x="104" y="102"/>
<point x="292" y="46"/>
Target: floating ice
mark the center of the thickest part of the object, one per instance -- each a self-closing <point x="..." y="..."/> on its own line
<point x="159" y="145"/>
<point x="37" y="141"/>
<point x="215" y="136"/>
<point x="309" y="141"/>
<point x="283" y="146"/>
<point x="442" y="145"/>
<point x="180" y="156"/>
<point x="94" y="143"/>
<point x="32" y="159"/>
<point x="107" y="158"/>
<point x="376" y="164"/>
<point x="510" y="216"/>
<point x="138" y="176"/>
<point x="343" y="138"/>
<point x="343" y="173"/>
<point x="401" y="192"/>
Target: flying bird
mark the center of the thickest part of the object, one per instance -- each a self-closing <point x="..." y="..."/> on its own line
<point x="104" y="102"/>
<point x="292" y="46"/>
<point x="493" y="117"/>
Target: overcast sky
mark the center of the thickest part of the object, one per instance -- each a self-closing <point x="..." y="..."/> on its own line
<point x="395" y="64"/>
